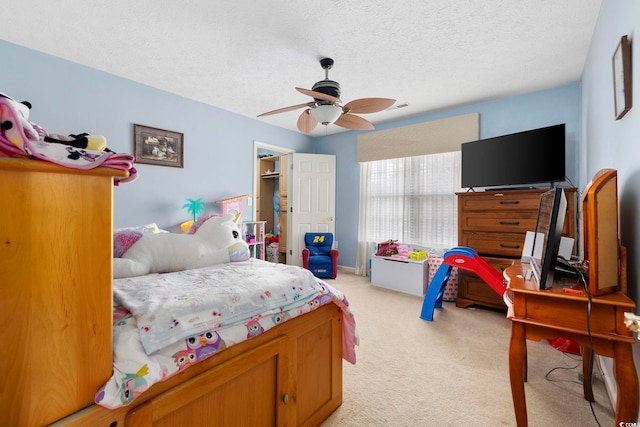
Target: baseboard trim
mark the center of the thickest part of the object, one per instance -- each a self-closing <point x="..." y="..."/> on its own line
<point x="606" y="367"/>
<point x="351" y="270"/>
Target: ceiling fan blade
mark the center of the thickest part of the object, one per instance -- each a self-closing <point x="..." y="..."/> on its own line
<point x="306" y="122"/>
<point x="285" y="109"/>
<point x="318" y="95"/>
<point x="351" y="121"/>
<point x="368" y="105"/>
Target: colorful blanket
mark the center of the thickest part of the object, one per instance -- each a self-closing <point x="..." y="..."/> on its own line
<point x="164" y="323"/>
<point x="21" y="138"/>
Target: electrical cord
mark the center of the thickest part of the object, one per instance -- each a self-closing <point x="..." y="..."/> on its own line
<point x="568" y="368"/>
<point x="582" y="279"/>
<point x="592" y="353"/>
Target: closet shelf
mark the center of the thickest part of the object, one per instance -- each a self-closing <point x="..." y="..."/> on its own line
<point x="270" y="175"/>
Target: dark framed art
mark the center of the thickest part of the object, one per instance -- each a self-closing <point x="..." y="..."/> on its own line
<point x="160" y="147"/>
<point x="622" y="77"/>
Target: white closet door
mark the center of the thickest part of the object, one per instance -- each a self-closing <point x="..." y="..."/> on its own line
<point x="312" y="199"/>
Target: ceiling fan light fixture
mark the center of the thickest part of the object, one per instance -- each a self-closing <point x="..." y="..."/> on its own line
<point x="327" y="113"/>
<point x="326" y="107"/>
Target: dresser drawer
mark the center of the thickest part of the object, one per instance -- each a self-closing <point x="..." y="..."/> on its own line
<point x="500" y="264"/>
<point x="496" y="244"/>
<point x="500" y="201"/>
<point x="499" y="222"/>
<point x="495" y="223"/>
<point x="472" y="290"/>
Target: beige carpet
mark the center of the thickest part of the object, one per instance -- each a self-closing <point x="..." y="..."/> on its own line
<point x="452" y="371"/>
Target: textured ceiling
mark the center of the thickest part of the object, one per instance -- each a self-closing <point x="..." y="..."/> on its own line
<point x="247" y="56"/>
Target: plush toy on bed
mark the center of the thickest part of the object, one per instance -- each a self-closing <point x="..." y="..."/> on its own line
<point x="213" y="239"/>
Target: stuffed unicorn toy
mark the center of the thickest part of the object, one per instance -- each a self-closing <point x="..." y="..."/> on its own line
<point x="213" y="239"/>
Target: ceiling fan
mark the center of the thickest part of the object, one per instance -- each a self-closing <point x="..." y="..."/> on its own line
<point x="325" y="107"/>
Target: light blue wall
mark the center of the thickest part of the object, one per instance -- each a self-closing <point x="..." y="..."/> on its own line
<point x="218" y="145"/>
<point x="70" y="98"/>
<point x="498" y="117"/>
<point x="611" y="143"/>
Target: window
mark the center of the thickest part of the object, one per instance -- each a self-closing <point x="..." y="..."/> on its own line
<point x="410" y="199"/>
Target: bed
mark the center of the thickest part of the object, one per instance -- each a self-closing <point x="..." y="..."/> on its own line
<point x="290" y="378"/>
<point x="58" y="318"/>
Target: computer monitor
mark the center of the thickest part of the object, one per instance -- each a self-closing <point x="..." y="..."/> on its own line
<point x="551" y="213"/>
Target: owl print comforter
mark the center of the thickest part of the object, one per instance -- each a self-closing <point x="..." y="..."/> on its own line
<point x="164" y="323"/>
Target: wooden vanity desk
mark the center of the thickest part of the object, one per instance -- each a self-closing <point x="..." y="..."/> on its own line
<point x="551" y="313"/>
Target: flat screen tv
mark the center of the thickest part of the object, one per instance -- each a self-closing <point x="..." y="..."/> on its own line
<point x="551" y="213"/>
<point x="520" y="159"/>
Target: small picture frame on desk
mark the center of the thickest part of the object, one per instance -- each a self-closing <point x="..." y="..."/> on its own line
<point x="622" y="77"/>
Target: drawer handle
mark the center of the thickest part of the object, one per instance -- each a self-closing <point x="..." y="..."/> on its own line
<point x="502" y="245"/>
<point x="509" y="222"/>
<point x="509" y="202"/>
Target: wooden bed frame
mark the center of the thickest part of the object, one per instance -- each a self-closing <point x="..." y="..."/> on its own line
<point x="290" y="375"/>
<point x="56" y="317"/>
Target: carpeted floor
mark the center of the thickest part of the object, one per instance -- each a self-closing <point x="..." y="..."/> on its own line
<point x="452" y="371"/>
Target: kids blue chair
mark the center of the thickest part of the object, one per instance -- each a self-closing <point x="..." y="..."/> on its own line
<point x="318" y="256"/>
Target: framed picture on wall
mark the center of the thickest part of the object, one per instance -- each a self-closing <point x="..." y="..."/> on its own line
<point x="160" y="147"/>
<point x="622" y="77"/>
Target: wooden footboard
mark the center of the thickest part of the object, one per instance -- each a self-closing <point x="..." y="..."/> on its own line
<point x="290" y="375"/>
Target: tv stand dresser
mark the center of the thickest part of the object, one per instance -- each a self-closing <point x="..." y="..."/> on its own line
<point x="494" y="223"/>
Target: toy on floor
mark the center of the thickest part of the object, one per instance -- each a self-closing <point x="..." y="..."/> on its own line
<point x="213" y="239"/>
<point x="466" y="259"/>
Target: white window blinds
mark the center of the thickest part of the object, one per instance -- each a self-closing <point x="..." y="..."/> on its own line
<point x="408" y="184"/>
